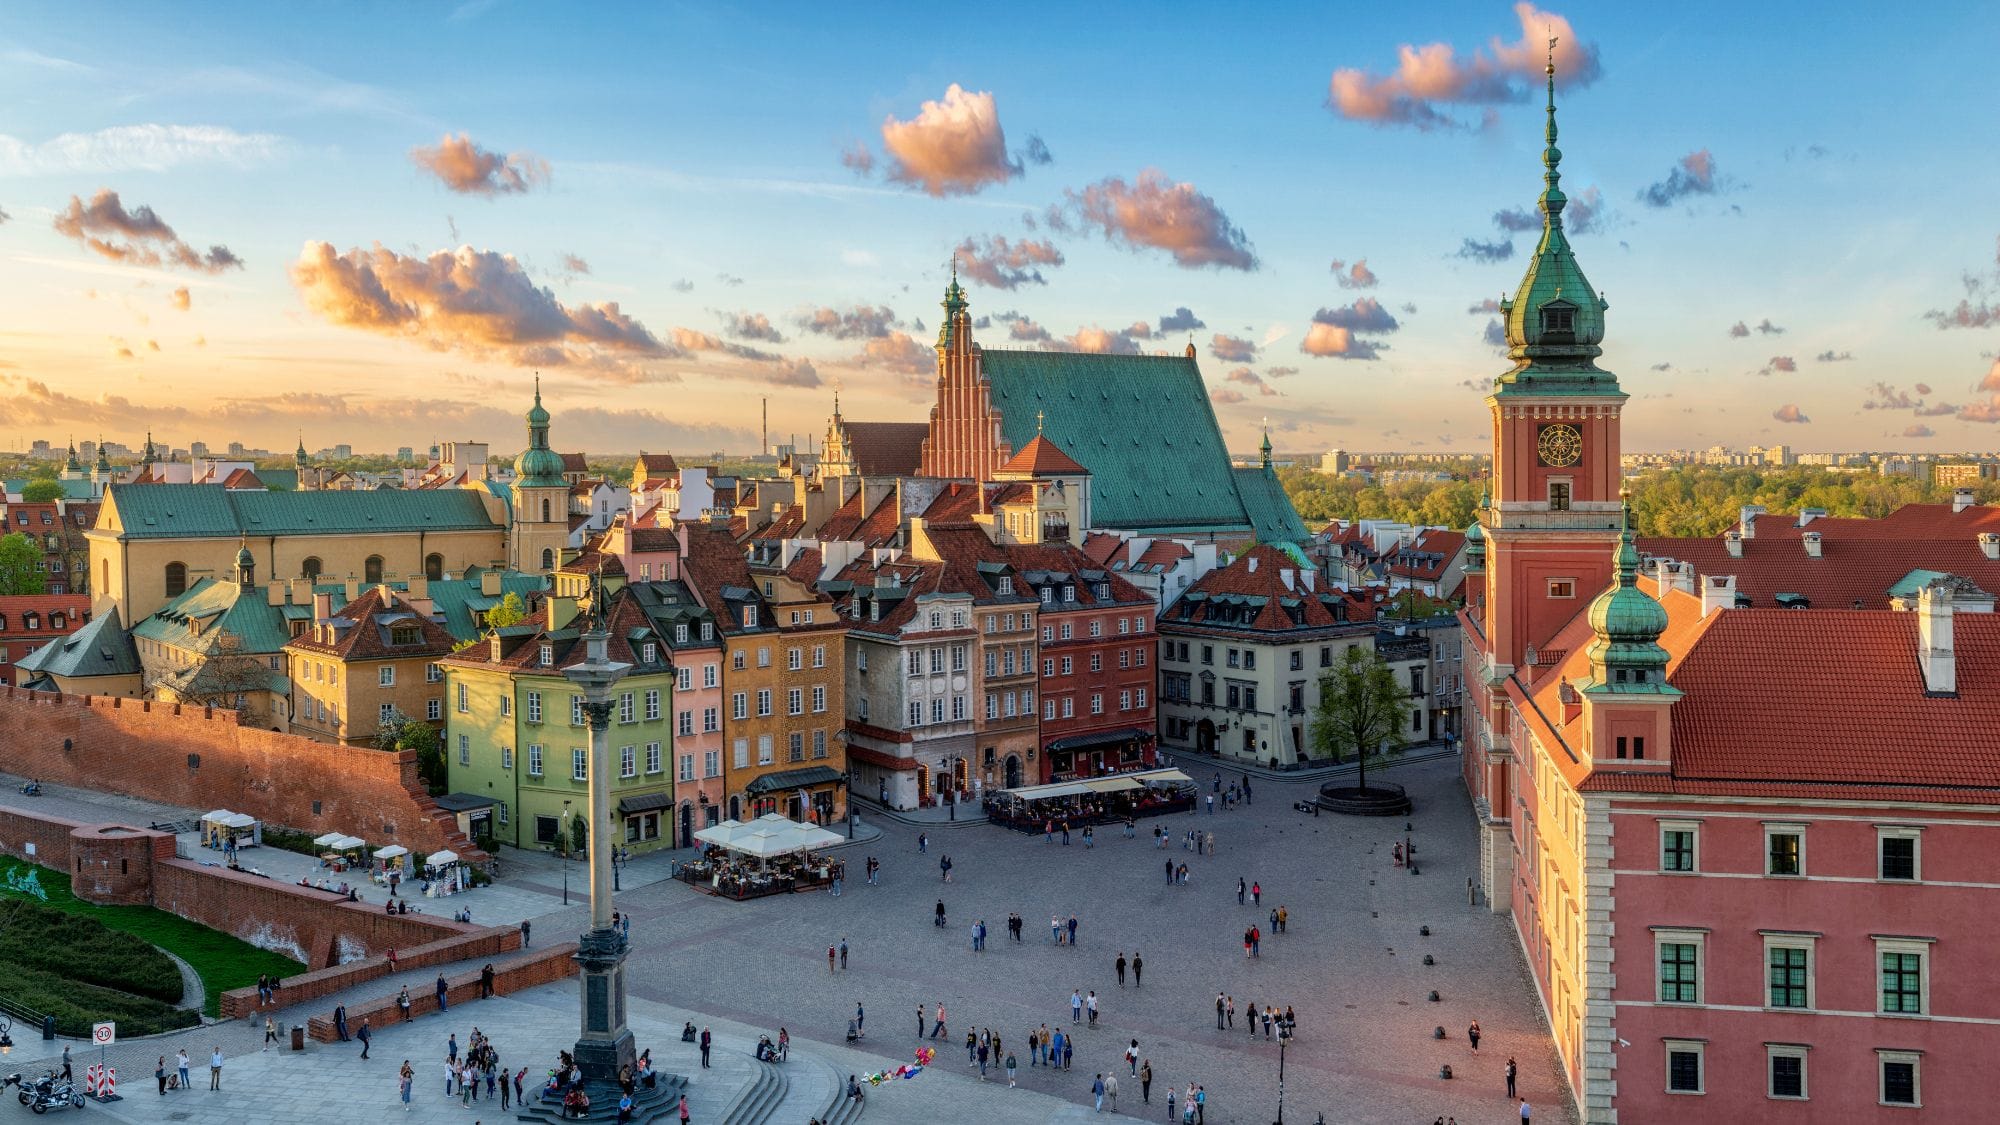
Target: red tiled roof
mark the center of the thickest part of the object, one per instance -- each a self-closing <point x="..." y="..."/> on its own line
<point x="1911" y="521"/>
<point x="1102" y="547"/>
<point x="886" y="449"/>
<point x="658" y="464"/>
<point x="1853" y="564"/>
<point x="75" y="609"/>
<point x="366" y="638"/>
<point x="712" y="561"/>
<point x="651" y="539"/>
<point x="574" y="463"/>
<point x="957" y="502"/>
<point x="1042" y="457"/>
<point x="1258" y="573"/>
<point x="844" y="521"/>
<point x="882" y="525"/>
<point x="805" y="567"/>
<point x="1428" y="557"/>
<point x="1164" y="553"/>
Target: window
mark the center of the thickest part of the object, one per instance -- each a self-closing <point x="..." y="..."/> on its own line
<point x="371" y="570"/>
<point x="1048" y="708"/>
<point x="385" y="676"/>
<point x="502" y="806"/>
<point x="1677" y="846"/>
<point x="433" y="674"/>
<point x="1097" y="703"/>
<point x="958" y="658"/>
<point x="1067" y="631"/>
<point x="749" y="617"/>
<point x="1787" y="1064"/>
<point x="937" y="662"/>
<point x="795" y="659"/>
<point x="916" y="662"/>
<point x="795" y="701"/>
<point x="795" y="746"/>
<point x="684" y="679"/>
<point x="1558" y="496"/>
<point x="1904" y="976"/>
<point x="1068" y="666"/>
<point x="1048" y="634"/>
<point x="534" y="706"/>
<point x="680" y="633"/>
<point x="1562" y="587"/>
<point x="687" y="768"/>
<point x="576" y="710"/>
<point x="957" y="708"/>
<point x="1684" y="1057"/>
<point x="819" y="699"/>
<point x="464" y="701"/>
<point x="763" y="658"/>
<point x="1124" y="658"/>
<point x="740" y="753"/>
<point x="1679" y="954"/>
<point x="627" y="708"/>
<point x="707" y="631"/>
<point x="819" y="656"/>
<point x="534" y="759"/>
<point x="628" y="762"/>
<point x="1788" y="961"/>
<point x="386" y="714"/>
<point x="650" y="653"/>
<point x="937" y="710"/>
<point x="708" y="675"/>
<point x="685" y="725"/>
<point x="506" y="706"/>
<point x="1069" y="593"/>
<point x="177" y="579"/>
<point x="1249" y="658"/>
<point x="711" y="763"/>
<point x="1298" y="660"/>
<point x="1784" y="849"/>
<point x="652" y="704"/>
<point x="739" y="705"/>
<point x="1125" y="700"/>
<point x="1897" y="847"/>
<point x="579" y="764"/>
<point x="1097" y="662"/>
<point x="763" y="703"/>
<point x="992" y="662"/>
<point x="1142" y="699"/>
<point x="1048" y="666"/>
<point x="916" y="713"/>
<point x="1006" y="585"/>
<point x="1068" y="708"/>
<point x="1096" y="628"/>
<point x="1558" y="319"/>
<point x="434" y="709"/>
<point x="738" y="660"/>
<point x="548" y="655"/>
<point x="711" y="719"/>
<point x="819" y="744"/>
<point x="764" y="750"/>
<point x="1900" y="1079"/>
<point x="309" y="569"/>
<point x="1208" y="654"/>
<point x="861" y="709"/>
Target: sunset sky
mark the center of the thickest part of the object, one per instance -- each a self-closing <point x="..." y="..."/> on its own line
<point x="375" y="222"/>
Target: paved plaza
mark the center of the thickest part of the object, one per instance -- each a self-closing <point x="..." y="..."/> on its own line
<point x="1351" y="966"/>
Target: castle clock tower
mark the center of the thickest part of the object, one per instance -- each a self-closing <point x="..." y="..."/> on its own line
<point x="1554" y="517"/>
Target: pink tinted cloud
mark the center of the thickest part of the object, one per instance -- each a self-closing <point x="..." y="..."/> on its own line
<point x="1790" y="413"/>
<point x="1918" y="431"/>
<point x="953" y="146"/>
<point x="181" y="299"/>
<point x="1356" y="276"/>
<point x="1431" y="79"/>
<point x="1331" y="340"/>
<point x="1002" y="264"/>
<point x="1154" y="211"/>
<point x="1232" y="349"/>
<point x="900" y="353"/>
<point x="466" y="168"/>
<point x="137" y="237"/>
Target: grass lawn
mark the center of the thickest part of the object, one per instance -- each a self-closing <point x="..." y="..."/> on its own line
<point x="221" y="961"/>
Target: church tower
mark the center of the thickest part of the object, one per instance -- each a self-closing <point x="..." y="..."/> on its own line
<point x="965" y="440"/>
<point x="541" y="499"/>
<point x="1554" y="518"/>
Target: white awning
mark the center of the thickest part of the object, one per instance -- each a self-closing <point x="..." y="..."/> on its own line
<point x="1163" y="777"/>
<point x="1110" y="784"/>
<point x="218" y="814"/>
<point x="1044" y="792"/>
<point x="441" y="859"/>
<point x="349" y="843"/>
<point x="326" y="841"/>
<point x="393" y="851"/>
<point x="236" y="820"/>
<point x="720" y="834"/>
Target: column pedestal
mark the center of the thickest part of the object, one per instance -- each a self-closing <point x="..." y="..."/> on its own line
<point x="606" y="1046"/>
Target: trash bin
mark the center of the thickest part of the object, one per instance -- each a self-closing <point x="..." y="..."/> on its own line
<point x="48" y="1027"/>
<point x="298" y="1037"/>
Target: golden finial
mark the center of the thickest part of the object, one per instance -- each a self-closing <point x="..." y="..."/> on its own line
<point x="1038" y="423"/>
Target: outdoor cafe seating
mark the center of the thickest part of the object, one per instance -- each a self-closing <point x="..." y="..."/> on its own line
<point x="767" y="856"/>
<point x="1107" y="799"/>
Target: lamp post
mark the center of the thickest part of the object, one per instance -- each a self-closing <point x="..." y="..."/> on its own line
<point x="1284" y="1037"/>
<point x="563" y="850"/>
<point x="605" y="1046"/>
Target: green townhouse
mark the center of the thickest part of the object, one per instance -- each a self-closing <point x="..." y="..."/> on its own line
<point x="515" y="733"/>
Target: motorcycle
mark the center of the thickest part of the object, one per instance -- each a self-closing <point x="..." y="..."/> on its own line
<point x="51" y="1091"/>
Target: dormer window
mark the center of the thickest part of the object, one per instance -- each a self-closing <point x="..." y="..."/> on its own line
<point x="1559" y="322"/>
<point x="1006" y="584"/>
<point x="749" y="617"/>
<point x="548" y="655"/>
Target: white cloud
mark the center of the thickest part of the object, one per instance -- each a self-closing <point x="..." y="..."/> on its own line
<point x="150" y="148"/>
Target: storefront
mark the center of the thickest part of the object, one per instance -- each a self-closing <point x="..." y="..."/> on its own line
<point x="808" y="794"/>
<point x="1099" y="753"/>
<point x="647" y="818"/>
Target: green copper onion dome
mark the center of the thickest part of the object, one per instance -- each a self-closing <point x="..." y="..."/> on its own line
<point x="954" y="303"/>
<point x="538" y="466"/>
<point x="1627" y="623"/>
<point x="1475" y="542"/>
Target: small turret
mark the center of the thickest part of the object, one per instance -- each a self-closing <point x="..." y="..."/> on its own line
<point x="246" y="567"/>
<point x="1625" y="652"/>
<point x="955" y="318"/>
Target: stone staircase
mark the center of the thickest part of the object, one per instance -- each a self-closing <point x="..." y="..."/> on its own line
<point x="658" y="1104"/>
<point x="757" y="1102"/>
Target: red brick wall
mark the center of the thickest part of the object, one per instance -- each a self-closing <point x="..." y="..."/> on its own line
<point x="113" y="863"/>
<point x="201" y="759"/>
<point x="49" y="834"/>
<point x="312" y="985"/>
<point x="552" y="964"/>
<point x="313" y="926"/>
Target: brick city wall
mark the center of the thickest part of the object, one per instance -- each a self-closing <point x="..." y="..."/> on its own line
<point x="483" y="944"/>
<point x="49" y="835"/>
<point x="114" y="863"/>
<point x="555" y="963"/>
<point x="200" y="758"/>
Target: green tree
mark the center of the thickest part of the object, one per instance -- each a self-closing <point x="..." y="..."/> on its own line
<point x="1361" y="710"/>
<point x="41" y="492"/>
<point x="511" y="611"/>
<point x="579" y="834"/>
<point x="18" y="558"/>
<point x="415" y="734"/>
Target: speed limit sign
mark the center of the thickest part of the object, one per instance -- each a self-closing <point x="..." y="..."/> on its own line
<point x="104" y="1034"/>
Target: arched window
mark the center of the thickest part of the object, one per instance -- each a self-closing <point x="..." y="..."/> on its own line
<point x="548" y="559"/>
<point x="434" y="567"/>
<point x="177" y="579"/>
<point x="310" y="569"/>
<point x="545" y="509"/>
<point x="371" y="570"/>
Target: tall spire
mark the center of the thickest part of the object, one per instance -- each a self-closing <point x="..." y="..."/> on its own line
<point x="954" y="306"/>
<point x="1266" y="447"/>
<point x="1552" y="196"/>
<point x="538" y="466"/>
<point x="150" y="454"/>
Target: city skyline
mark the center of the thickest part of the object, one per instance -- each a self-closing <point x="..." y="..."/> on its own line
<point x="317" y="222"/>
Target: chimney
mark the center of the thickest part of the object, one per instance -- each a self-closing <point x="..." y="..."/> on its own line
<point x="322" y="607"/>
<point x="277" y="593"/>
<point x="1718" y="591"/>
<point x="489" y="583"/>
<point x="1734" y="541"/>
<point x="353" y="587"/>
<point x="1572" y="701"/>
<point x="1989" y="544"/>
<point x="1746" y="519"/>
<point x="419" y="586"/>
<point x="1934" y="639"/>
<point x="1807" y="515"/>
<point x="1812" y="542"/>
<point x="1961" y="499"/>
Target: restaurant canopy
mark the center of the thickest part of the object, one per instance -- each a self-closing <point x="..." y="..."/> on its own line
<point x="441" y="859"/>
<point x="393" y="851"/>
<point x="720" y="834"/>
<point x="1110" y="783"/>
<point x="768" y="836"/>
<point x="325" y="841"/>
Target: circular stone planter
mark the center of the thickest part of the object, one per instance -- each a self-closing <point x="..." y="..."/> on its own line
<point x="1376" y="800"/>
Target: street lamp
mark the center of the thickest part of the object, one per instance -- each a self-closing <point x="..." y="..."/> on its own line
<point x="1284" y="1037"/>
<point x="563" y="848"/>
<point x="605" y="1046"/>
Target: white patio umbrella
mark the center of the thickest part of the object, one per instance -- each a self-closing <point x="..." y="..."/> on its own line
<point x="327" y="840"/>
<point x="441" y="859"/>
<point x="393" y="851"/>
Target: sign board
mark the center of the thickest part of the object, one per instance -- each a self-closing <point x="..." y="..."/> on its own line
<point x="104" y="1034"/>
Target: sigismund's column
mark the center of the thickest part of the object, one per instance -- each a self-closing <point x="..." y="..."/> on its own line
<point x="605" y="1047"/>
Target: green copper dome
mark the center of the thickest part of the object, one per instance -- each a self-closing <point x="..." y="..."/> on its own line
<point x="1475" y="549"/>
<point x="244" y="561"/>
<point x="954" y="303"/>
<point x="538" y="466"/>
<point x="1625" y="652"/>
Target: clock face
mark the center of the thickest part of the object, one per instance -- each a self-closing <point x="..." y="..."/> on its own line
<point x="1560" y="445"/>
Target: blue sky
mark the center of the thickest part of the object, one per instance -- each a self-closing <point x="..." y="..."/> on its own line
<point x="693" y="164"/>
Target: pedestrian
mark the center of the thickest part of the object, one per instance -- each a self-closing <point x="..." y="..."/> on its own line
<point x="944" y="864"/>
<point x="1138" y="967"/>
<point x="366" y="1036"/>
<point x="451" y="1047"/>
<point x="1065" y="832"/>
<point x="1510" y="1076"/>
<point x="270" y="1032"/>
<point x="503" y="1088"/>
<point x="1090" y="1004"/>
<point x="938" y="914"/>
<point x="1132" y="1058"/>
<point x="1250" y="1018"/>
<point x="1241" y="887"/>
<point x="65" y="1061"/>
<point x="939" y="1029"/>
<point x="181" y="1064"/>
<point x="1097" y="1090"/>
<point x="1075" y="1006"/>
<point x="1170" y="872"/>
<point x="486" y="982"/>
<point x="684" y="1109"/>
<point x="1200" y="1105"/>
<point x="1034" y="1047"/>
<point x="1111" y="1090"/>
<point x="443" y="994"/>
<point x="1246" y="945"/>
<point x="403" y="1003"/>
<point x="1210" y="839"/>
<point x="1257" y="894"/>
<point x="1120" y="965"/>
<point x="520" y="1084"/>
<point x="829" y="958"/>
<point x="984" y="1048"/>
<point x="214" y="1068"/>
<point x="1072" y="929"/>
<point x="1256" y="942"/>
<point x="704" y="1048"/>
<point x="1527" y="1112"/>
<point x="1211" y="804"/>
<point x="1069" y="1049"/>
<point x="1010" y="1071"/>
<point x="923" y="842"/>
<point x="405" y="1078"/>
<point x="1284" y="918"/>
<point x="1472" y="1033"/>
<point x="920" y="1021"/>
<point x="1246" y="790"/>
<point x="860" y="1018"/>
<point x="1218" y="1011"/>
<point x="1232" y="1011"/>
<point x="1170" y="1104"/>
<point x="160" y="1072"/>
<point x="843" y="953"/>
<point x="340" y="1022"/>
<point x="525" y="928"/>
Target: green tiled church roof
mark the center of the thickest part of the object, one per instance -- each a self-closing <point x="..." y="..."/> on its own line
<point x="216" y="606"/>
<point x="100" y="648"/>
<point x="1269" y="509"/>
<point x="1143" y="426"/>
<point x="183" y="511"/>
